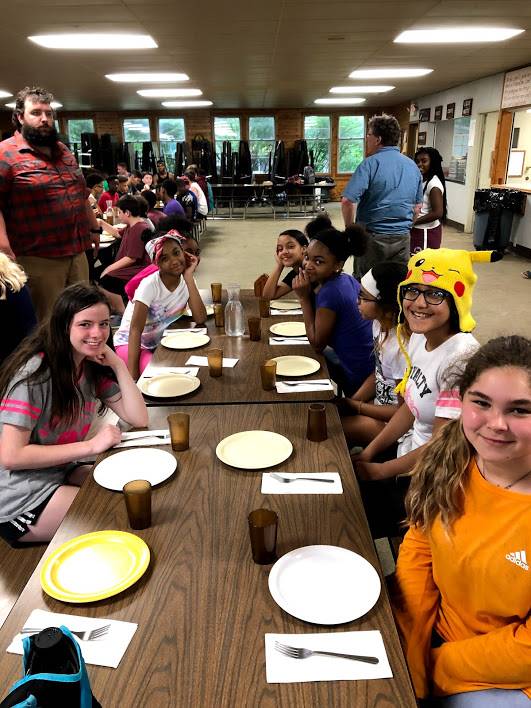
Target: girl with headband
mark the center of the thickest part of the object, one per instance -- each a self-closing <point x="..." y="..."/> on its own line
<point x="160" y="299"/>
<point x="329" y="300"/>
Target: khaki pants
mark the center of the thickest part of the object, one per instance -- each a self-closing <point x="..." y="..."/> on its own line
<point x="48" y="277"/>
<point x="382" y="248"/>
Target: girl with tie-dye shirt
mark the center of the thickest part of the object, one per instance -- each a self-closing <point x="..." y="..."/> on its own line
<point x="50" y="390"/>
<point x="160" y="299"/>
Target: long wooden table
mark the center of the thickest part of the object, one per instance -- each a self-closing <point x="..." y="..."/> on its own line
<point x="241" y="384"/>
<point x="204" y="607"/>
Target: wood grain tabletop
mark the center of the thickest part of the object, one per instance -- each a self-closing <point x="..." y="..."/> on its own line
<point x="203" y="607"/>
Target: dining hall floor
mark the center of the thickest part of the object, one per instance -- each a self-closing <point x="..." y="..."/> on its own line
<point x="239" y="250"/>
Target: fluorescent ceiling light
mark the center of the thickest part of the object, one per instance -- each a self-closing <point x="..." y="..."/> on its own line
<point x="169" y="92"/>
<point x="347" y="101"/>
<point x="156" y="77"/>
<point x="454" y="35"/>
<point x="361" y="89"/>
<point x="186" y="104"/>
<point x="109" y="40"/>
<point x="5" y="94"/>
<point x="388" y="73"/>
<point x="53" y="104"/>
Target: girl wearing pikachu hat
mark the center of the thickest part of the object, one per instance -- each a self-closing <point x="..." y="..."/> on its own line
<point x="435" y="300"/>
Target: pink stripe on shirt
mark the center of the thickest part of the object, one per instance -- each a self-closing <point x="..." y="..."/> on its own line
<point x="16" y="409"/>
<point x="25" y="404"/>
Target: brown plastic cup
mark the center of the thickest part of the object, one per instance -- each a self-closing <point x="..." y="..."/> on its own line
<point x="137" y="496"/>
<point x="255" y="329"/>
<point x="265" y="307"/>
<point x="215" y="362"/>
<point x="263" y="525"/>
<point x="219" y="315"/>
<point x="179" y="425"/>
<point x="268" y="374"/>
<point x="316" y="430"/>
<point x="216" y="292"/>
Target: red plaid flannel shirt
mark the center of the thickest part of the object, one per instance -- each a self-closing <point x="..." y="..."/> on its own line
<point x="43" y="200"/>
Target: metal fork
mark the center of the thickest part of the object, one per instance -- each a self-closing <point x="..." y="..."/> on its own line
<point x="290" y="339"/>
<point x="305" y="383"/>
<point x="280" y="478"/>
<point x="300" y="653"/>
<point x="88" y="636"/>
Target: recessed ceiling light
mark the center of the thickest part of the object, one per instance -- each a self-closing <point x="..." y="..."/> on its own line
<point x="361" y="89"/>
<point x="53" y="104"/>
<point x="186" y="104"/>
<point x="5" y="94"/>
<point x="347" y="101"/>
<point x="388" y="73"/>
<point x="156" y="77"/>
<point x="169" y="92"/>
<point x="96" y="41"/>
<point x="454" y="35"/>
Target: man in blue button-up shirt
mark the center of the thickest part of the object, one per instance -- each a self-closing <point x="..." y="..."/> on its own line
<point x="383" y="194"/>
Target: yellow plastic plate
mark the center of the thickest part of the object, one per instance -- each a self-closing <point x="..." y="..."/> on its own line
<point x="94" y="566"/>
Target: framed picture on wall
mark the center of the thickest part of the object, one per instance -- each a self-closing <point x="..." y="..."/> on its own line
<point x="413" y="111"/>
<point x="422" y="138"/>
<point x="424" y="115"/>
<point x="467" y="107"/>
<point x="450" y="111"/>
<point x="438" y="113"/>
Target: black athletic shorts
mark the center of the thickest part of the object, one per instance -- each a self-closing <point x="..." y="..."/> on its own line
<point x="12" y="531"/>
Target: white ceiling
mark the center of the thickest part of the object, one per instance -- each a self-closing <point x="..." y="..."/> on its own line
<point x="250" y="53"/>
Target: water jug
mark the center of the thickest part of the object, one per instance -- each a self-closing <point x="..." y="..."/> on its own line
<point x="234" y="320"/>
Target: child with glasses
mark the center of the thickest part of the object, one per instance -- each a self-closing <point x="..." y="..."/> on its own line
<point x="366" y="413"/>
<point x="435" y="300"/>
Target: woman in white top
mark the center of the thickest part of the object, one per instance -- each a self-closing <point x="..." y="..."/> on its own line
<point x="427" y="227"/>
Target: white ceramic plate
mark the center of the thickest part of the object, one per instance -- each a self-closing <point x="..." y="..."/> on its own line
<point x="209" y="310"/>
<point x="254" y="449"/>
<point x="185" y="340"/>
<point x="289" y="329"/>
<point x="296" y="365"/>
<point x="324" y="584"/>
<point x="285" y="305"/>
<point x="107" y="238"/>
<point x="169" y="385"/>
<point x="141" y="463"/>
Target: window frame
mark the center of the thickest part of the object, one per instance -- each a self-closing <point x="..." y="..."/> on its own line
<point x="72" y="120"/>
<point x="124" y="120"/>
<point x="216" y="141"/>
<point x="340" y="139"/>
<point x="261" y="140"/>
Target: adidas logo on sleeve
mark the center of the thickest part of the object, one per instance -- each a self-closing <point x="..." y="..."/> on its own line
<point x="518" y="558"/>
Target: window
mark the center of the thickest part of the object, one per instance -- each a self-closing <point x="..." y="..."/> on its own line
<point x="261" y="141"/>
<point x="77" y="126"/>
<point x="171" y="132"/>
<point x="226" y="128"/>
<point x="350" y="142"/>
<point x="136" y="130"/>
<point x="317" y="135"/>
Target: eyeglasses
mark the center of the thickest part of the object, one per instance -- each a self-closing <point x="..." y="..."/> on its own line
<point x="366" y="299"/>
<point x="431" y="297"/>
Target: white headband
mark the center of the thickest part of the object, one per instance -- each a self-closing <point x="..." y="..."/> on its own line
<point x="369" y="284"/>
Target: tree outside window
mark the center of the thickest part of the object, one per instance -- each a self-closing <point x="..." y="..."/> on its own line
<point x="76" y="126"/>
<point x="317" y="135"/>
<point x="226" y="128"/>
<point x="171" y="132"/>
<point x="261" y="141"/>
<point x="136" y="131"/>
<point x="350" y="142"/>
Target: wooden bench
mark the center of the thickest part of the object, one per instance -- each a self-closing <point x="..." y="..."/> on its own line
<point x="16" y="567"/>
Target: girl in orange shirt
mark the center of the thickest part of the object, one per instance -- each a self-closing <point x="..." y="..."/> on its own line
<point x="462" y="593"/>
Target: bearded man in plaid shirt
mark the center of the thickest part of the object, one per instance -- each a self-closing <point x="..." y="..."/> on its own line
<point x="46" y="222"/>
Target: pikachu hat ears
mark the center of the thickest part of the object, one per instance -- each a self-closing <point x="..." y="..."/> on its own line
<point x="445" y="269"/>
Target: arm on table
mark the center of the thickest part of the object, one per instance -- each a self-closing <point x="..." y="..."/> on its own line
<point x="273" y="289"/>
<point x="138" y="322"/>
<point x="128" y="404"/>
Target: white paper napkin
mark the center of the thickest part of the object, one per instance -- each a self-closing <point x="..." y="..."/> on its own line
<point x="143" y="438"/>
<point x="203" y="361"/>
<point x="107" y="651"/>
<point x="286" y="312"/>
<point x="193" y="330"/>
<point x="283" y="669"/>
<point x="288" y="340"/>
<point x="270" y="485"/>
<point x="304" y="386"/>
